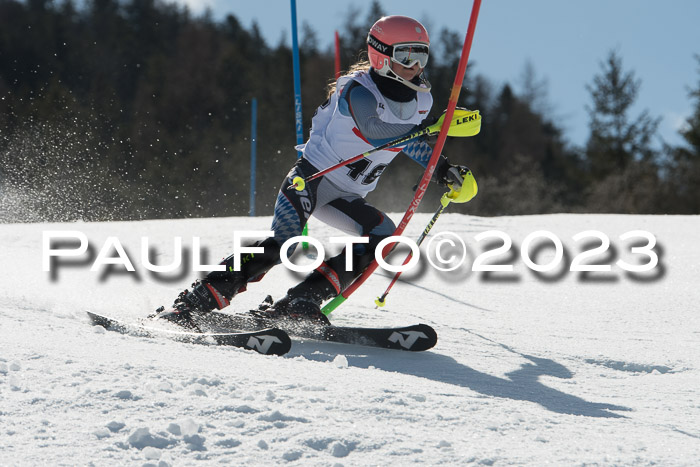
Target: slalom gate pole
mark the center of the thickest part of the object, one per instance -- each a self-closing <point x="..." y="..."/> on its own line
<point x="444" y="202"/>
<point x="337" y="55"/>
<point x="253" y="152"/>
<point x="297" y="78"/>
<point x="297" y="94"/>
<point x="423" y="184"/>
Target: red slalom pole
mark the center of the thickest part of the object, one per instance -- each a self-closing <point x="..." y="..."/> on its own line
<point x="423" y="184"/>
<point x="337" y="55"/>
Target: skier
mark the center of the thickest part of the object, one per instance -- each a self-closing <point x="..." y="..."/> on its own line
<point x="380" y="100"/>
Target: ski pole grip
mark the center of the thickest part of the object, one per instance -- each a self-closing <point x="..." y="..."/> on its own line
<point x="447" y="197"/>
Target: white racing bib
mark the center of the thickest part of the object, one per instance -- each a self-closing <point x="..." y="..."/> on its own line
<point x="335" y="138"/>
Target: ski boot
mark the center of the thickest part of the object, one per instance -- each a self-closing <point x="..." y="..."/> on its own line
<point x="217" y="289"/>
<point x="203" y="298"/>
<point x="302" y="304"/>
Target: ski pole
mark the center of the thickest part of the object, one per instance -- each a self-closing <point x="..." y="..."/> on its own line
<point x="464" y="123"/>
<point x="444" y="202"/>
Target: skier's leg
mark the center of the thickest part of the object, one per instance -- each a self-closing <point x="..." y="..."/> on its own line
<point x="352" y="215"/>
<point x="356" y="217"/>
<point x="292" y="210"/>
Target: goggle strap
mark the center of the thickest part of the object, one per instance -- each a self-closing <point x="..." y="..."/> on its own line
<point x="380" y="46"/>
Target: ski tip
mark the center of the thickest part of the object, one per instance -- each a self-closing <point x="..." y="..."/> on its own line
<point x="431" y="333"/>
<point x="98" y="320"/>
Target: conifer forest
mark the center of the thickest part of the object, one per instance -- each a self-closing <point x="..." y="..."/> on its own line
<point x="139" y="109"/>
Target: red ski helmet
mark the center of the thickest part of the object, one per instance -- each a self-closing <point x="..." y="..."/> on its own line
<point x="398" y="39"/>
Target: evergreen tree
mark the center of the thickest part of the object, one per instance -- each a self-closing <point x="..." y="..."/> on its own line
<point x="620" y="159"/>
<point x="616" y="140"/>
<point x="122" y="109"/>
<point x="684" y="169"/>
<point x="353" y="39"/>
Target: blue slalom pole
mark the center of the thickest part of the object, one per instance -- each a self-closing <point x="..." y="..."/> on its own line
<point x="297" y="78"/>
<point x="297" y="94"/>
<point x="253" y="152"/>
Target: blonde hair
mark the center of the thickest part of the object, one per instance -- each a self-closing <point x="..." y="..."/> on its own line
<point x="362" y="65"/>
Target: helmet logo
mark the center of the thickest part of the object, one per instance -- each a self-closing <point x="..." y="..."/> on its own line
<point x="376" y="44"/>
<point x="418" y="30"/>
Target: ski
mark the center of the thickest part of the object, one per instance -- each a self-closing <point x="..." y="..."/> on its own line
<point x="267" y="341"/>
<point x="413" y="338"/>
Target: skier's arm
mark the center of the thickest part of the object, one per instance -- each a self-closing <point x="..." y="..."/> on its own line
<point x="419" y="150"/>
<point x="445" y="173"/>
<point x="358" y="102"/>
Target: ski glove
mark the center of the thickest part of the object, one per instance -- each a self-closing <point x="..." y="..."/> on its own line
<point x="447" y="174"/>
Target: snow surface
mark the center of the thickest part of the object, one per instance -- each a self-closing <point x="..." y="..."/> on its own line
<point x="559" y="368"/>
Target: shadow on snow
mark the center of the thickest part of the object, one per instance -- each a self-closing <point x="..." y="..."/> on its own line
<point x="522" y="384"/>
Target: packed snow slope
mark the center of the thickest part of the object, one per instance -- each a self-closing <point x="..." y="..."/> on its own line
<point x="558" y="367"/>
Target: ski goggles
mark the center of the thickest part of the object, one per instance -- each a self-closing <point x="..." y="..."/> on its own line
<point x="406" y="54"/>
<point x="409" y="54"/>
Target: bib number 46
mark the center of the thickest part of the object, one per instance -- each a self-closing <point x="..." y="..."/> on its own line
<point x="358" y="169"/>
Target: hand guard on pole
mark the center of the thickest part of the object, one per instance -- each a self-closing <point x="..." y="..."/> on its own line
<point x="467" y="188"/>
<point x="456" y="177"/>
<point x="446" y="173"/>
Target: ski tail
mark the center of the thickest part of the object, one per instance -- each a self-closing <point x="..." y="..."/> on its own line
<point x="266" y="341"/>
